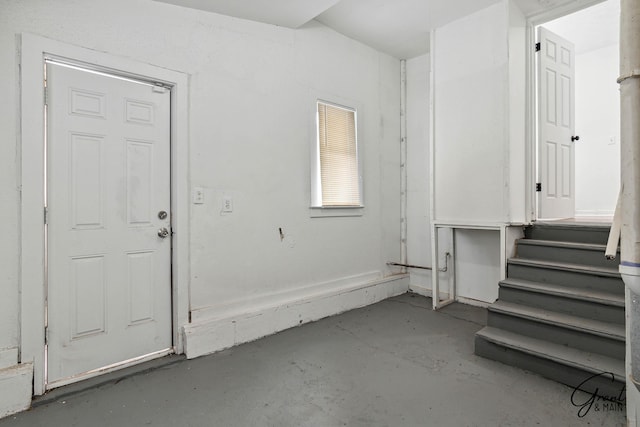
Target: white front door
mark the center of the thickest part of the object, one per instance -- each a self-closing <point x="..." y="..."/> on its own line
<point x="556" y="124"/>
<point x="109" y="282"/>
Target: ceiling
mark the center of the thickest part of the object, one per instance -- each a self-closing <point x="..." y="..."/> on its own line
<point x="591" y="28"/>
<point x="398" y="27"/>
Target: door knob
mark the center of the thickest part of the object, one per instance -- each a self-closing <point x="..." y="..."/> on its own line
<point x="575" y="138"/>
<point x="163" y="232"/>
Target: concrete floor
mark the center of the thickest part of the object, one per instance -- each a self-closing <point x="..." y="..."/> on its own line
<point x="395" y="363"/>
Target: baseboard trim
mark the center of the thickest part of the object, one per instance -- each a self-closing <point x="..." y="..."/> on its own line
<point x="421" y="290"/>
<point x="15" y="388"/>
<point x="207" y="336"/>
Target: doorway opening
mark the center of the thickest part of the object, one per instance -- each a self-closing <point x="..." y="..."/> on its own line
<point x="594" y="33"/>
<point x="34" y="50"/>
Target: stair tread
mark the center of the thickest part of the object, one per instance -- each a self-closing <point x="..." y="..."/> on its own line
<point x="606" y="329"/>
<point x="584" y="225"/>
<point x="565" y="244"/>
<point x="580" y="268"/>
<point x="585" y="294"/>
<point x="591" y="362"/>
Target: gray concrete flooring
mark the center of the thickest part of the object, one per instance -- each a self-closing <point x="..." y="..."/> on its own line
<point x="395" y="363"/>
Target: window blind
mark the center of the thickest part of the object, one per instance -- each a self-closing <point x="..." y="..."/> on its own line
<point x="339" y="173"/>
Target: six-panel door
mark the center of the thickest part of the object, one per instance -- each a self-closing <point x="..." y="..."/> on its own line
<point x="109" y="286"/>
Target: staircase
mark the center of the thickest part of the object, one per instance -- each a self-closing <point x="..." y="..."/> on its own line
<point x="560" y="312"/>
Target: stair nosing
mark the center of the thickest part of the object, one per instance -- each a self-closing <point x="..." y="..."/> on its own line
<point x="490" y="333"/>
<point x="572" y="226"/>
<point x="565" y="244"/>
<point x="562" y="320"/>
<point x="575" y="268"/>
<point x="603" y="298"/>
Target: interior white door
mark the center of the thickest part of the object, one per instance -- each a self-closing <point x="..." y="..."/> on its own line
<point x="109" y="269"/>
<point x="556" y="125"/>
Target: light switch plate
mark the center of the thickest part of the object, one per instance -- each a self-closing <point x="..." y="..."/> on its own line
<point x="198" y="195"/>
<point x="227" y="204"/>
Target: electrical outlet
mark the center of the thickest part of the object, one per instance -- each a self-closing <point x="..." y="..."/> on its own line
<point x="227" y="204"/>
<point x="198" y="195"/>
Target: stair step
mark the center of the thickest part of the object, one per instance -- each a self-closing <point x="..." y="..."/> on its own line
<point x="595" y="327"/>
<point x="605" y="279"/>
<point x="589" y="372"/>
<point x="562" y="244"/>
<point x="565" y="266"/>
<point x="561" y="328"/>
<point x="568" y="232"/>
<point x="585" y="303"/>
<point x="591" y="254"/>
<point x="590" y="295"/>
<point x="589" y="362"/>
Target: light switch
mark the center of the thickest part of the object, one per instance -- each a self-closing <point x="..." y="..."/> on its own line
<point x="227" y="204"/>
<point x="198" y="195"/>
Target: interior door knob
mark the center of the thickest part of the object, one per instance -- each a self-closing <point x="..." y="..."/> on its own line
<point x="163" y="232"/>
<point x="575" y="138"/>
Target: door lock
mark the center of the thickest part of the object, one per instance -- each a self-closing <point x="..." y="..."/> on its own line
<point x="162" y="214"/>
<point x="163" y="233"/>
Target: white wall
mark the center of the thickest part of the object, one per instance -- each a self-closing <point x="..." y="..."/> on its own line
<point x="418" y="165"/>
<point x="598" y="125"/>
<point x="479" y="147"/>
<point x="471" y="117"/>
<point x="252" y="89"/>
<point x="478" y="264"/>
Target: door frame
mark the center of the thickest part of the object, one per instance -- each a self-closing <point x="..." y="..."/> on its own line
<point x="531" y="108"/>
<point x="33" y="50"/>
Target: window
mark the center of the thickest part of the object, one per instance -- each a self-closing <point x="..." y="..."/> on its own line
<point x="337" y="180"/>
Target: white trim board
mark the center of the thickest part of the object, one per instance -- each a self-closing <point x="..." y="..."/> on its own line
<point x="33" y="50"/>
<point x="214" y="334"/>
<point x="259" y="302"/>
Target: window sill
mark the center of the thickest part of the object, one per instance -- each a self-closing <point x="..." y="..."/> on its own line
<point x="337" y="211"/>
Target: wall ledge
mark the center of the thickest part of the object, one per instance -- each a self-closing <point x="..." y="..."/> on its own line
<point x="15" y="388"/>
<point x="213" y="334"/>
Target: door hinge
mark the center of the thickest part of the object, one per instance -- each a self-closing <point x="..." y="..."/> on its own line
<point x="46" y="335"/>
<point x="538" y="47"/>
<point x="46" y="215"/>
<point x="538" y="186"/>
<point x="159" y="88"/>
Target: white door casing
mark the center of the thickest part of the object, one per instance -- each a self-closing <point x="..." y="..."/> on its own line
<point x="556" y="126"/>
<point x="109" y="272"/>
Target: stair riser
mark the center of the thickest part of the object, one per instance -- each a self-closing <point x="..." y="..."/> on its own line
<point x="557" y="334"/>
<point x="569" y="375"/>
<point x="576" y="307"/>
<point x="566" y="278"/>
<point x="586" y="257"/>
<point x="569" y="234"/>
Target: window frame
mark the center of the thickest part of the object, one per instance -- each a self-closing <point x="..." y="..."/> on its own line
<point x="316" y="202"/>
